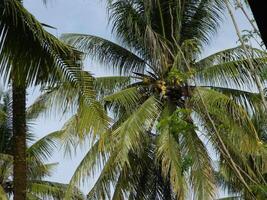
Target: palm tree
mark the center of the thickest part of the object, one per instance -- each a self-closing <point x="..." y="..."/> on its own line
<point x="31" y="56"/>
<point x="37" y="154"/>
<point x="167" y="103"/>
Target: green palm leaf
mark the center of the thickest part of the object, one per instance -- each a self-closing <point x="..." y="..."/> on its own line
<point x="169" y="155"/>
<point x="106" y="52"/>
<point x="130" y="133"/>
<point x="127" y="98"/>
<point x="201" y="172"/>
<point x="127" y="138"/>
<point x="48" y="190"/>
<point x="3" y="195"/>
<point x="43" y="148"/>
<point x="107" y="85"/>
<point x="45" y="54"/>
<point x="230" y="67"/>
<point x="250" y="101"/>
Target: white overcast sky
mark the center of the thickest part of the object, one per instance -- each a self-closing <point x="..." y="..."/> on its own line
<point x="89" y="16"/>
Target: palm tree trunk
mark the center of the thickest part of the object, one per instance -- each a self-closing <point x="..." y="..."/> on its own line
<point x="19" y="141"/>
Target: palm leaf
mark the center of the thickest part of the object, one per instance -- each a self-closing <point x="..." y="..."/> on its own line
<point x="233" y="113"/>
<point x="201" y="170"/>
<point x="230" y="67"/>
<point x="230" y="198"/>
<point x="119" y="191"/>
<point x="107" y="85"/>
<point x="48" y="60"/>
<point x="126" y="138"/>
<point x="201" y="19"/>
<point x="130" y="133"/>
<point x="48" y="190"/>
<point x="3" y="195"/>
<point x="37" y="170"/>
<point x="83" y="125"/>
<point x="47" y="57"/>
<point x="43" y="148"/>
<point x="107" y="52"/>
<point x="102" y="187"/>
<point x="87" y="167"/>
<point x="169" y="155"/>
<point x="127" y="98"/>
<point x="249" y="100"/>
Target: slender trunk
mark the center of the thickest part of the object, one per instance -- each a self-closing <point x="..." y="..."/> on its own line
<point x="19" y="141"/>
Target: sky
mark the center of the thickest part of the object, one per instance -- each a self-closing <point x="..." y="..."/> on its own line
<point x="90" y="17"/>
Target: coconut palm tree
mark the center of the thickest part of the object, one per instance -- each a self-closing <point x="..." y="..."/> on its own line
<point x="37" y="154"/>
<point x="31" y="56"/>
<point x="167" y="103"/>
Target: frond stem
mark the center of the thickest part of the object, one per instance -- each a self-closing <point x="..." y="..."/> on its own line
<point x="161" y="19"/>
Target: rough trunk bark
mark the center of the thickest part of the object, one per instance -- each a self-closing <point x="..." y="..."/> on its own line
<point x="19" y="141"/>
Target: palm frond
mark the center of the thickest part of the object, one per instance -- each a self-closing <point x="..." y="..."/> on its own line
<point x="173" y="20"/>
<point x="201" y="170"/>
<point x="169" y="155"/>
<point x="229" y="55"/>
<point x="84" y="124"/>
<point x="5" y="157"/>
<point x="87" y="167"/>
<point x="32" y="197"/>
<point x="234" y="116"/>
<point x="129" y="23"/>
<point x="36" y="109"/>
<point x="119" y="192"/>
<point x="52" y="190"/>
<point x="3" y="194"/>
<point x="230" y="198"/>
<point x="251" y="101"/>
<point x="43" y="148"/>
<point x="230" y="67"/>
<point x="110" y="84"/>
<point x="47" y="61"/>
<point x="64" y="97"/>
<point x="107" y="52"/>
<point x="201" y="19"/>
<point x="37" y="170"/>
<point x="129" y="135"/>
<point x="46" y="58"/>
<point x="230" y="132"/>
<point x="127" y="98"/>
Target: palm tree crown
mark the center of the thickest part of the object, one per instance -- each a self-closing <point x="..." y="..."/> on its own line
<point x="30" y="56"/>
<point x="167" y="102"/>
